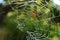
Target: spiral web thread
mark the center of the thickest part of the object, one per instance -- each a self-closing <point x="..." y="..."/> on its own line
<point x="35" y="35"/>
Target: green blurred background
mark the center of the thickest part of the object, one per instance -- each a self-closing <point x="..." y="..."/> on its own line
<point x="16" y="18"/>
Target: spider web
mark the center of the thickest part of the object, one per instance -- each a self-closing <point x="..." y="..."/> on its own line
<point x="36" y="35"/>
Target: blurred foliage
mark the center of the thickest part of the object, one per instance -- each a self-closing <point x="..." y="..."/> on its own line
<point x="24" y="20"/>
